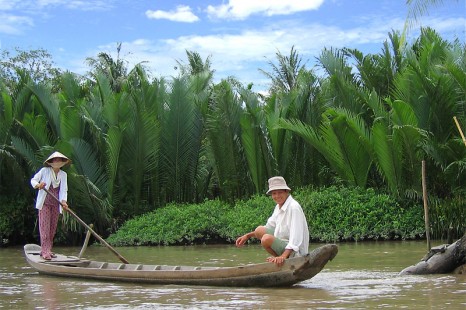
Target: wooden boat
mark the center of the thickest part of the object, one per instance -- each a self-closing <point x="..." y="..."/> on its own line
<point x="266" y="274"/>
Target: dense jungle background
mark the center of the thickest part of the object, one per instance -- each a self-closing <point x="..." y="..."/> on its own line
<point x="141" y="144"/>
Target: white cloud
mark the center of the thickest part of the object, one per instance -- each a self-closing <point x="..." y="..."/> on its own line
<point x="446" y="24"/>
<point x="242" y="51"/>
<point x="6" y="5"/>
<point x="242" y="54"/>
<point x="182" y="13"/>
<point x="44" y="3"/>
<point x="84" y="5"/>
<point x="40" y="5"/>
<point x="93" y="5"/>
<point x="12" y="24"/>
<point x="29" y="10"/>
<point x="241" y="9"/>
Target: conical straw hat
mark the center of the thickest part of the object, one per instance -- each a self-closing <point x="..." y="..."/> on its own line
<point x="65" y="159"/>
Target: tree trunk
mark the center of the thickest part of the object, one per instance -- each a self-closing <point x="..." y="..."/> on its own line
<point x="442" y="259"/>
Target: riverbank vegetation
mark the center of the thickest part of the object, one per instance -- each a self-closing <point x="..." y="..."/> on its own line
<point x="334" y="214"/>
<point x="142" y="146"/>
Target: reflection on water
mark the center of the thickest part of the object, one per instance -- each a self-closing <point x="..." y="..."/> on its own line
<point x="362" y="276"/>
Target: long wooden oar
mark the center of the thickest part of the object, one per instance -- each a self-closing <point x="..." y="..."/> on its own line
<point x="88" y="228"/>
<point x="459" y="129"/>
<point x="86" y="241"/>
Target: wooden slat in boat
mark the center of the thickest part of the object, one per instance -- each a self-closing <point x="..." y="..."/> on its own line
<point x="260" y="275"/>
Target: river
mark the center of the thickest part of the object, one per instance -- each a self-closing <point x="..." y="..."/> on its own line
<point x="363" y="275"/>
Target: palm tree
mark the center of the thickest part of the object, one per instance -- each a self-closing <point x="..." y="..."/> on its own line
<point x="254" y="140"/>
<point x="417" y="8"/>
<point x="343" y="140"/>
<point x="435" y="98"/>
<point x="115" y="70"/>
<point x="11" y="166"/>
<point x="195" y="64"/>
<point x="377" y="71"/>
<point x="223" y="129"/>
<point x="284" y="75"/>
<point x="295" y="93"/>
<point x="47" y="122"/>
<point x="181" y="142"/>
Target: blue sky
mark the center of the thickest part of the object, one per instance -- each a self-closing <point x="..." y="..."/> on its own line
<point x="240" y="36"/>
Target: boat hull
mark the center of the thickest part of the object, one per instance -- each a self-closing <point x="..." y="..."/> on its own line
<point x="253" y="275"/>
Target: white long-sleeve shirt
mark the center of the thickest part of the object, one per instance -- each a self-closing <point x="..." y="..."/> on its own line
<point x="45" y="175"/>
<point x="289" y="223"/>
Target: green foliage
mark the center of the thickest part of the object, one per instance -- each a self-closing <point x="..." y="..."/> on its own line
<point x="333" y="214"/>
<point x="37" y="64"/>
<point x="17" y="218"/>
<point x="173" y="224"/>
<point x="245" y="216"/>
<point x="448" y="218"/>
<point x="139" y="143"/>
<point x="284" y="75"/>
<point x="346" y="214"/>
<point x="19" y="222"/>
<point x="223" y="130"/>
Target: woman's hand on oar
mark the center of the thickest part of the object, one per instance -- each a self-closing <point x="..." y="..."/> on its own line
<point x="64" y="205"/>
<point x="41" y="185"/>
<point x="124" y="260"/>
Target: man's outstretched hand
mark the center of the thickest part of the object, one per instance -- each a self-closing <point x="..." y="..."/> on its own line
<point x="241" y="240"/>
<point x="279" y="260"/>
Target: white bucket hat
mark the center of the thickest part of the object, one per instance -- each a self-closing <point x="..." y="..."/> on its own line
<point x="65" y="160"/>
<point x="277" y="183"/>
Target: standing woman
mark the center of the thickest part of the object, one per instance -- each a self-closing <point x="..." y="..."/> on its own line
<point x="55" y="181"/>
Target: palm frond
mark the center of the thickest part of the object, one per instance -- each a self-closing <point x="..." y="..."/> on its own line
<point x="86" y="162"/>
<point x="255" y="145"/>
<point x="418" y="8"/>
<point x="388" y="156"/>
<point x="6" y="116"/>
<point x="354" y="140"/>
<point x="181" y="141"/>
<point x="224" y="134"/>
<point x="114" y="141"/>
<point x="49" y="105"/>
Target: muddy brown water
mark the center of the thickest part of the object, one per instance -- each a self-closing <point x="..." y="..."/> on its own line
<point x="363" y="275"/>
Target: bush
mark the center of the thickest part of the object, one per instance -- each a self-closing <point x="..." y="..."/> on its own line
<point x="333" y="214"/>
<point x="448" y="218"/>
<point x="343" y="214"/>
<point x="173" y="224"/>
<point x="245" y="216"/>
<point x="17" y="220"/>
